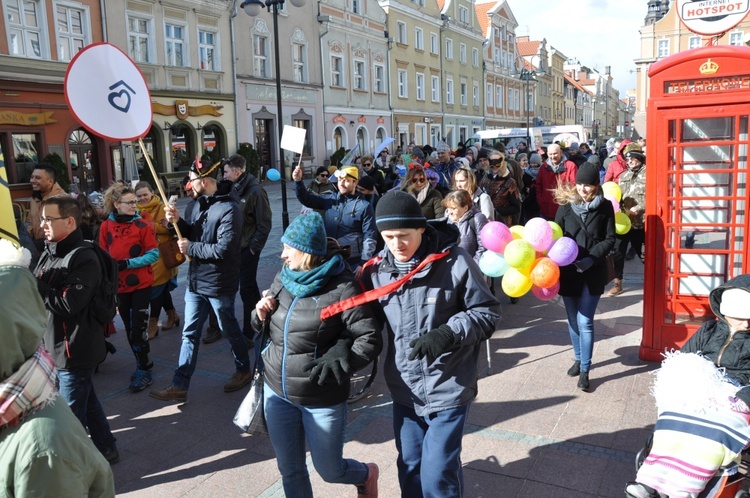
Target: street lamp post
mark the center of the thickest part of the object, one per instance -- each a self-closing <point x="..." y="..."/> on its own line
<point x="528" y="76"/>
<point x="253" y="9"/>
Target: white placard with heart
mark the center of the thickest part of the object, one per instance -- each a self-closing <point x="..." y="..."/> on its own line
<point x="107" y="93"/>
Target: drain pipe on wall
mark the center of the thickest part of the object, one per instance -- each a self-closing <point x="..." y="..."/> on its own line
<point x="102" y="10"/>
<point x="232" y="15"/>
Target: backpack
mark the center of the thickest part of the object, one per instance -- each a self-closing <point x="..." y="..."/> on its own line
<point x="104" y="301"/>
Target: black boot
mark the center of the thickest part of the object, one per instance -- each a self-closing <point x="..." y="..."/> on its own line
<point x="575" y="369"/>
<point x="583" y="381"/>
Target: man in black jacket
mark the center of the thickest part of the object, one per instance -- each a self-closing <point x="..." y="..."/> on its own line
<point x="74" y="337"/>
<point x="212" y="242"/>
<point x="256" y="225"/>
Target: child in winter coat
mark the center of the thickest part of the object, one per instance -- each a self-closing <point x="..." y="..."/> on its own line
<point x="462" y="212"/>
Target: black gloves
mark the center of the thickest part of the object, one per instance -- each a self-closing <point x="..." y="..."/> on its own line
<point x="433" y="343"/>
<point x="335" y="362"/>
<point x="122" y="264"/>
<point x="584" y="264"/>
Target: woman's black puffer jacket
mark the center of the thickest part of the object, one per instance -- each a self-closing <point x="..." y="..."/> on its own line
<point x="298" y="337"/>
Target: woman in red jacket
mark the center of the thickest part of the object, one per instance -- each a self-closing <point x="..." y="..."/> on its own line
<point x="131" y="241"/>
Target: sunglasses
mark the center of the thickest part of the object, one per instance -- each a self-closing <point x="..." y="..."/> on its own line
<point x="419" y="180"/>
<point x="497" y="162"/>
<point x="368" y="164"/>
<point x="324" y="175"/>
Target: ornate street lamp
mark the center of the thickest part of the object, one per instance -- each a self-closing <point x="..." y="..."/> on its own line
<point x="253" y="9"/>
<point x="528" y="76"/>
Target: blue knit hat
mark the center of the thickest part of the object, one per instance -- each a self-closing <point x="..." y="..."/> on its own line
<point x="307" y="234"/>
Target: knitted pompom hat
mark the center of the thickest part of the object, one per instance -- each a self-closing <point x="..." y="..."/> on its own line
<point x="307" y="234"/>
<point x="397" y="210"/>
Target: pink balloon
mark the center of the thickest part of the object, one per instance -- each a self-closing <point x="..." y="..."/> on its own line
<point x="495" y="236"/>
<point x="545" y="294"/>
<point x="615" y="204"/>
<point x="564" y="251"/>
<point x="538" y="233"/>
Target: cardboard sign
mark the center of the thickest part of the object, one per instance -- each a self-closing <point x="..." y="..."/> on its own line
<point x="107" y="93"/>
<point x="293" y="139"/>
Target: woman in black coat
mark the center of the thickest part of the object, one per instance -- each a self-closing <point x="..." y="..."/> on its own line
<point x="310" y="359"/>
<point x="589" y="219"/>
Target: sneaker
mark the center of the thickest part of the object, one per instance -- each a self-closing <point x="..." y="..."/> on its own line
<point x="638" y="490"/>
<point x="369" y="488"/>
<point x="575" y="369"/>
<point x="170" y="393"/>
<point x="583" y="381"/>
<point x="111" y="454"/>
<point x="212" y="335"/>
<point x="140" y="380"/>
<point x="238" y="381"/>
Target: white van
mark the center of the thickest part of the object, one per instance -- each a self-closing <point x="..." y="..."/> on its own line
<point x="510" y="137"/>
<point x="563" y="133"/>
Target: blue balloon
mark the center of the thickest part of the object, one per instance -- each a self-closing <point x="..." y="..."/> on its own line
<point x="273" y="175"/>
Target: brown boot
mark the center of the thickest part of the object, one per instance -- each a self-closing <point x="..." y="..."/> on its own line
<point x="153" y="328"/>
<point x="616" y="289"/>
<point x="172" y="319"/>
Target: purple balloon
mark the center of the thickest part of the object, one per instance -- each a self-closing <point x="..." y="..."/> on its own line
<point x="564" y="251"/>
<point x="495" y="236"/>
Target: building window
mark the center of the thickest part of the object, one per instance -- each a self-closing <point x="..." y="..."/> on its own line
<point x="499" y="96"/>
<point x="299" y="58"/>
<point x="475" y="95"/>
<point x="434" y="45"/>
<point x="419" y="38"/>
<point x="359" y="75"/>
<point x="260" y="56"/>
<point x="207" y="50"/>
<point x="420" y="86"/>
<point x="435" y="88"/>
<point x="464" y="94"/>
<point x="448" y="48"/>
<point x="449" y="91"/>
<point x="24" y="25"/>
<point x="463" y="14"/>
<point x="663" y="48"/>
<point x="72" y="31"/>
<point x="304" y="124"/>
<point x="336" y="75"/>
<point x="511" y="102"/>
<point x="497" y="55"/>
<point x="694" y="42"/>
<point x="175" y="41"/>
<point x="475" y="57"/>
<point x="489" y="96"/>
<point x="379" y="78"/>
<point x="401" y="32"/>
<point x="462" y="53"/>
<point x="403" y="84"/>
<point x="356" y="7"/>
<point x="736" y="38"/>
<point x="139" y="39"/>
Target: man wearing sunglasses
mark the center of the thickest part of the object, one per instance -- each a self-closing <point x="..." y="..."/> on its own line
<point x="373" y="171"/>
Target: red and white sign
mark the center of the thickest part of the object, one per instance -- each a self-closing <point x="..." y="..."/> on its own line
<point x="712" y="17"/>
<point x="627" y="123"/>
<point x="107" y="93"/>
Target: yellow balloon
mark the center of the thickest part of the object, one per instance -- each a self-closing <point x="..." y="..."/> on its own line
<point x="556" y="230"/>
<point x="515" y="283"/>
<point x="622" y="223"/>
<point x="517" y="231"/>
<point x="519" y="254"/>
<point x="611" y="189"/>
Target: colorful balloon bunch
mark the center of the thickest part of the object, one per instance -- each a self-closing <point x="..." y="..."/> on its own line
<point x="527" y="257"/>
<point x="613" y="194"/>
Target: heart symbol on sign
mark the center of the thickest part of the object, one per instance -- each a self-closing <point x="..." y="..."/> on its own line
<point x="116" y="97"/>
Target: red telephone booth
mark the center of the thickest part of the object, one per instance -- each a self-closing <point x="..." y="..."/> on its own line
<point x="696" y="189"/>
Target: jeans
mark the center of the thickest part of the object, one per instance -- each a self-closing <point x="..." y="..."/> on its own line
<point x="429" y="451"/>
<point x="197" y="307"/>
<point x="288" y="426"/>
<point x="581" y="312"/>
<point x="249" y="291"/>
<point x="77" y="388"/>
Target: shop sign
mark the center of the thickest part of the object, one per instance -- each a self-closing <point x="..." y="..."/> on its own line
<point x="26" y="119"/>
<point x="712" y="17"/>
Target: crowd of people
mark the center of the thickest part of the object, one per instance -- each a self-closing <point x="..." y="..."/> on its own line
<point x="381" y="227"/>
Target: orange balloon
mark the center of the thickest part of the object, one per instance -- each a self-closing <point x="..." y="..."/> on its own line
<point x="545" y="273"/>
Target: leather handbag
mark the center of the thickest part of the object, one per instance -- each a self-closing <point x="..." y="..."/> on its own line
<point x="170" y="253"/>
<point x="610" y="268"/>
<point x="250" y="417"/>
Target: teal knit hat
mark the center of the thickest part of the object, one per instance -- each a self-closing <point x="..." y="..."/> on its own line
<point x="307" y="234"/>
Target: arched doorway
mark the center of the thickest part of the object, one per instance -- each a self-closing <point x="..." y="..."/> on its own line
<point x="182" y="146"/>
<point x="213" y="142"/>
<point x="83" y="162"/>
<point x="338" y="138"/>
<point x="362" y="141"/>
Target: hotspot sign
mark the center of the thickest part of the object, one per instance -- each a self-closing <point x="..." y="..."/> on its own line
<point x="107" y="93"/>
<point x="712" y="17"/>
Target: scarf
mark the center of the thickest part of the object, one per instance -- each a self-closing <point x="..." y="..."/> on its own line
<point x="582" y="209"/>
<point x="30" y="388"/>
<point x="533" y="172"/>
<point x="124" y="218"/>
<point x="556" y="169"/>
<point x="303" y="283"/>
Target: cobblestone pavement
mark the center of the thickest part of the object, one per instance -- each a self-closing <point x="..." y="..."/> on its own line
<point x="531" y="432"/>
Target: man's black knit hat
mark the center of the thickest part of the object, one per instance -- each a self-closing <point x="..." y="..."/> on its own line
<point x="398" y="210"/>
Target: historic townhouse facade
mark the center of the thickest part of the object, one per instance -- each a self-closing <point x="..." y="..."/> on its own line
<point x="504" y="89"/>
<point x="536" y="56"/>
<point x="462" y="75"/>
<point x="184" y="52"/>
<point x="355" y="65"/>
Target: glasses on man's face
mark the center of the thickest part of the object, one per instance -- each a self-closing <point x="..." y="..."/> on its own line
<point x="324" y="175"/>
<point x="367" y="165"/>
<point x="48" y="220"/>
<point x="129" y="203"/>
